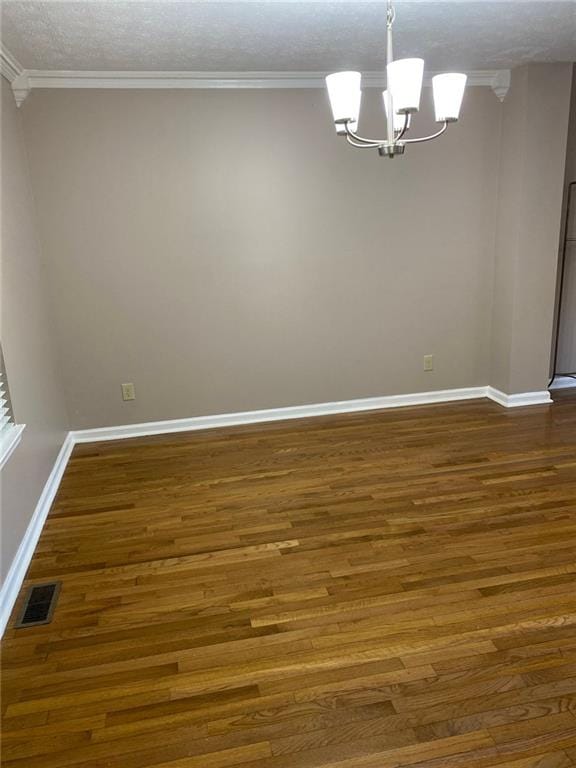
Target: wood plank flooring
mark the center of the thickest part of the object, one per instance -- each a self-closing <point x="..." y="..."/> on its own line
<point x="375" y="590"/>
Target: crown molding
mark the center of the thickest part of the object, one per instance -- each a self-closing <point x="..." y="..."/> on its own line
<point x="30" y="79"/>
<point x="17" y="76"/>
<point x="10" y="67"/>
<point x="501" y="83"/>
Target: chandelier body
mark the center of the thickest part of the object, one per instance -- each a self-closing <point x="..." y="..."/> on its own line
<point x="401" y="100"/>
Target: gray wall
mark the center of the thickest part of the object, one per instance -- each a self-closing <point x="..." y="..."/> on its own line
<point x="37" y="393"/>
<point x="226" y="251"/>
<point x="531" y="178"/>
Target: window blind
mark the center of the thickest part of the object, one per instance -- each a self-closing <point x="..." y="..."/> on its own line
<point x="6" y="416"/>
<point x="9" y="431"/>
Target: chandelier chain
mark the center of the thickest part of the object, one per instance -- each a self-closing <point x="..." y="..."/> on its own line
<point x="390" y="14"/>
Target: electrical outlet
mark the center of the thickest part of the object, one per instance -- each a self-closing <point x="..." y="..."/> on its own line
<point x="428" y="362"/>
<point x="128" y="392"/>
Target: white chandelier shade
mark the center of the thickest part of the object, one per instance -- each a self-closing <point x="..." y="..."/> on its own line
<point x="401" y="99"/>
<point x="448" y="92"/>
<point x="405" y="84"/>
<point x="345" y="95"/>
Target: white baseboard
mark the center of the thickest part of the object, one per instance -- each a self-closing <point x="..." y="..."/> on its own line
<point x="518" y="400"/>
<point x="275" y="414"/>
<point x="15" y="577"/>
<point x="13" y="582"/>
<point x="306" y="411"/>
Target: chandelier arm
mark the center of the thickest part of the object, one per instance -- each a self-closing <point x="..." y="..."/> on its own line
<point x="427" y="138"/>
<point x="365" y="142"/>
<point x="404" y="127"/>
<point x="360" y="146"/>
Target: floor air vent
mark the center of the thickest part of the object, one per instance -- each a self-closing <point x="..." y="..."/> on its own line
<point x="39" y="604"/>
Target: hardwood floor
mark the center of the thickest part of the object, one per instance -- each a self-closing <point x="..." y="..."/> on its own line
<point x="365" y="591"/>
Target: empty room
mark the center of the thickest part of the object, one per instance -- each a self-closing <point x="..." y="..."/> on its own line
<point x="287" y="427"/>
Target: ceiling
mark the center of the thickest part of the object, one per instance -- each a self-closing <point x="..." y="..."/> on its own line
<point x="284" y="36"/>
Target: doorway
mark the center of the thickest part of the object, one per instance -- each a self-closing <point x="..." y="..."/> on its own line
<point x="564" y="356"/>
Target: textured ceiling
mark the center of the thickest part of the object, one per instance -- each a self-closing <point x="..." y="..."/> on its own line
<point x="274" y="35"/>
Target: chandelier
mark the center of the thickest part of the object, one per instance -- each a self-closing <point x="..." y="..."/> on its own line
<point x="401" y="100"/>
